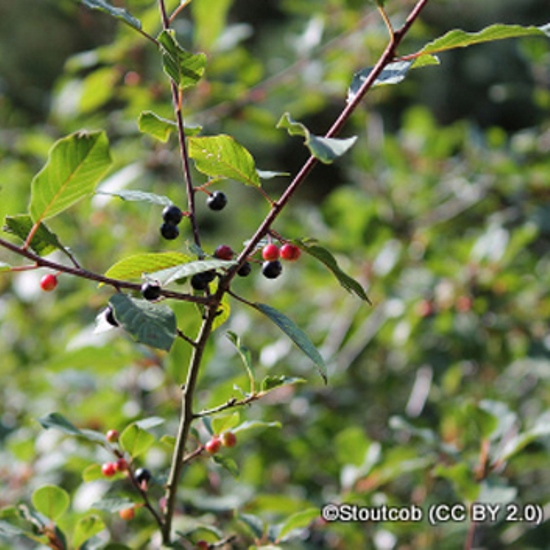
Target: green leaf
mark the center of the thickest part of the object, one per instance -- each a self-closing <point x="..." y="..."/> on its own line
<point x="256" y="424"/>
<point x="135" y="440"/>
<point x="461" y="39"/>
<point x="151" y="324"/>
<point x="169" y="275"/>
<point x="183" y="67"/>
<point x="133" y="267"/>
<point x="75" y="165"/>
<point x="209" y="18"/>
<point x="119" y="13"/>
<point x="138" y="196"/>
<point x="299" y="520"/>
<point x="271" y="382"/>
<point x="43" y="242"/>
<point x="325" y="257"/>
<point x="326" y="150"/>
<point x="5" y="267"/>
<point x="86" y="528"/>
<point x="391" y="74"/>
<point x="245" y="356"/>
<point x="222" y="314"/>
<point x="59" y="422"/>
<point x="541" y="428"/>
<point x="225" y="422"/>
<point x="92" y="472"/>
<point x="222" y="156"/>
<point x="50" y="500"/>
<point x="227" y="463"/>
<point x="254" y="523"/>
<point x="161" y="128"/>
<point x="113" y="505"/>
<point x="296" y="335"/>
<point x="151" y="422"/>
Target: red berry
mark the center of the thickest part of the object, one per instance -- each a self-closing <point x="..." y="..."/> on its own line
<point x="121" y="465"/>
<point x="229" y="439"/>
<point x="214" y="445"/>
<point x="48" y="282"/>
<point x="112" y="436"/>
<point x="290" y="252"/>
<point x="108" y="469"/>
<point x="127" y="514"/>
<point x="224" y="252"/>
<point x="202" y="545"/>
<point x="270" y="252"/>
<point x="425" y="308"/>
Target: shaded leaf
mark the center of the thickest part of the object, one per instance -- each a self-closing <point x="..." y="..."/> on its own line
<point x="299" y="520"/>
<point x="326" y="257"/>
<point x="256" y="424"/>
<point x="113" y="504"/>
<point x="254" y="523"/>
<point x="50" y="500"/>
<point x="92" y="472"/>
<point x="324" y="149"/>
<point x="119" y="13"/>
<point x="296" y="335"/>
<point x="151" y="324"/>
<point x="43" y="242"/>
<point x="271" y="382"/>
<point x="135" y="440"/>
<point x="138" y="196"/>
<point x="75" y="165"/>
<point x="86" y="528"/>
<point x="59" y="422"/>
<point x="391" y="74"/>
<point x="541" y="428"/>
<point x="133" y="267"/>
<point x="245" y="355"/>
<point x="223" y="156"/>
<point x="183" y="67"/>
<point x="167" y="276"/>
<point x="227" y="463"/>
<point x="225" y="422"/>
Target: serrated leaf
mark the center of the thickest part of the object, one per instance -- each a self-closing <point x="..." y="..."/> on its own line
<point x="227" y="463"/>
<point x="225" y="422"/>
<point x="222" y="156"/>
<point x="43" y="242"/>
<point x="86" y="528"/>
<point x="138" y="196"/>
<point x="167" y="276"/>
<point x="460" y="39"/>
<point x="299" y="520"/>
<point x="327" y="150"/>
<point x="133" y="267"/>
<point x="135" y="440"/>
<point x="50" y="500"/>
<point x="75" y="165"/>
<point x="326" y="257"/>
<point x="391" y="74"/>
<point x="150" y="324"/>
<point x="271" y="382"/>
<point x="113" y="504"/>
<point x="183" y="67"/>
<point x="296" y="334"/>
<point x="118" y="13"/>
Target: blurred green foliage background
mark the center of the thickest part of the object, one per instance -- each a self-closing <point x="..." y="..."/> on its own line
<point x="442" y="210"/>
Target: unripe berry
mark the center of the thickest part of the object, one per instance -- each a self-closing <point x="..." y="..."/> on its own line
<point x="48" y="282"/>
<point x="169" y="231"/>
<point x="112" y="436"/>
<point x="270" y="252"/>
<point x="127" y="514"/>
<point x="213" y="446"/>
<point x="290" y="252"/>
<point x="203" y="545"/>
<point x="150" y="291"/>
<point x="172" y="214"/>
<point x="121" y="465"/>
<point x="216" y="201"/>
<point x="272" y="270"/>
<point x="224" y="252"/>
<point x="229" y="439"/>
<point x="108" y="469"/>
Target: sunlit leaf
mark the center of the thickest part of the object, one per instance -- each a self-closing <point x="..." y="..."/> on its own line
<point x="327" y="150"/>
<point x="209" y="18"/>
<point x="119" y="13"/>
<point x="222" y="156"/>
<point x="225" y="422"/>
<point x="150" y="324"/>
<point x="86" y="528"/>
<point x="113" y="505"/>
<point x="391" y="74"/>
<point x="75" y="165"/>
<point x="299" y="520"/>
<point x="183" y="67"/>
<point x="297" y="335"/>
<point x="51" y="500"/>
<point x="272" y="382"/>
<point x="156" y="126"/>
<point x="135" y="440"/>
<point x="138" y="196"/>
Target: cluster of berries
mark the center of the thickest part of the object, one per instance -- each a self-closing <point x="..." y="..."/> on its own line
<point x="226" y="439"/>
<point x="271" y="254"/>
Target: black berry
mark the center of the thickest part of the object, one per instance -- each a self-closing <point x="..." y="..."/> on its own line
<point x="244" y="270"/>
<point x="142" y="475"/>
<point x="200" y="281"/>
<point x="217" y="201"/>
<point x="110" y="317"/>
<point x="150" y="291"/>
<point x="169" y="231"/>
<point x="172" y="214"/>
<point x="272" y="270"/>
